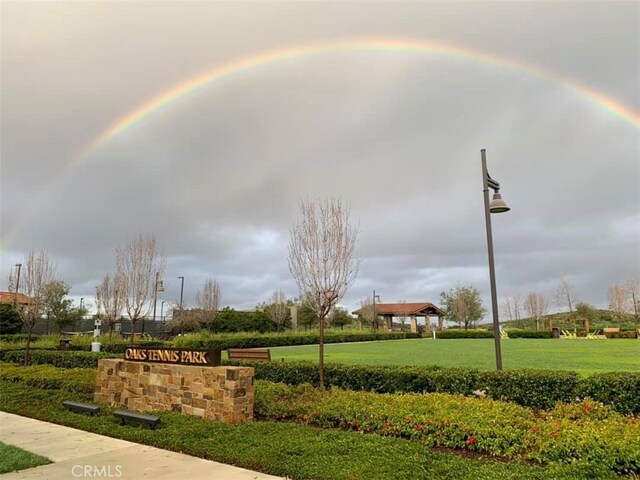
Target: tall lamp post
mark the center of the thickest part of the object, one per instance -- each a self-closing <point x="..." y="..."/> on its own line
<point x="181" y="296"/>
<point x="15" y="296"/>
<point x="158" y="287"/>
<point x="497" y="205"/>
<point x="375" y="315"/>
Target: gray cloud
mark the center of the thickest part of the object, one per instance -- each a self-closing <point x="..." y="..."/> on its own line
<point x="217" y="173"/>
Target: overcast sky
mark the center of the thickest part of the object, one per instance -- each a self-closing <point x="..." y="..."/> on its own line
<point x="217" y="173"/>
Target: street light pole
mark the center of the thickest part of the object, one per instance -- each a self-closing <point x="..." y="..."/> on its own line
<point x="15" y="296"/>
<point x="375" y="315"/>
<point x="81" y="300"/>
<point x="496" y="206"/>
<point x="181" y="294"/>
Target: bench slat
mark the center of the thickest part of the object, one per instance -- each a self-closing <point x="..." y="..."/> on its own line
<point x="249" y="354"/>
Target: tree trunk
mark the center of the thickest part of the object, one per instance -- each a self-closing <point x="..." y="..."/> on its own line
<point x="27" y="350"/>
<point x="321" y="350"/>
<point x="133" y="330"/>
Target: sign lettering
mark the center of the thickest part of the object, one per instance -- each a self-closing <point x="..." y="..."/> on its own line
<point x="173" y="355"/>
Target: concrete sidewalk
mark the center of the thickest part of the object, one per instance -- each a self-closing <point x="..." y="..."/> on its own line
<point x="80" y="454"/>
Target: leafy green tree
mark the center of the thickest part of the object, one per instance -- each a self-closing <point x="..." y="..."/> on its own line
<point x="463" y="305"/>
<point x="10" y="320"/>
<point x="340" y="317"/>
<point x="307" y="316"/>
<point x="59" y="308"/>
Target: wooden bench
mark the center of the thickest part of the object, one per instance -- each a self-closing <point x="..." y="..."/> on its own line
<point x="611" y="330"/>
<point x="89" y="408"/>
<point x="148" y="420"/>
<point x="262" y="354"/>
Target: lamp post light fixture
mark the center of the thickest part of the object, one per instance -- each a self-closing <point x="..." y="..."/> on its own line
<point x="181" y="296"/>
<point x="15" y="296"/>
<point x="497" y="205"/>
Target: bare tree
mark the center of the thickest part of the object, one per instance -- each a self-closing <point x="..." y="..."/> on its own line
<point x="38" y="271"/>
<point x="109" y="300"/>
<point x="137" y="262"/>
<point x="369" y="313"/>
<point x="403" y="312"/>
<point x="536" y="306"/>
<point x="566" y="295"/>
<point x="631" y="286"/>
<point x="278" y="308"/>
<point x="208" y="302"/>
<point x="506" y="309"/>
<point x="322" y="257"/>
<point x="618" y="300"/>
<point x="512" y="309"/>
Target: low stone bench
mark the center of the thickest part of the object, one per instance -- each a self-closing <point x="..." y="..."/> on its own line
<point x="89" y="408"/>
<point x="150" y="421"/>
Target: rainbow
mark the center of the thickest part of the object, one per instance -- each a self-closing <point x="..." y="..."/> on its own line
<point x="419" y="46"/>
<point x="365" y="44"/>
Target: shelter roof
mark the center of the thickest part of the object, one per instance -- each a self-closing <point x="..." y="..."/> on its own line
<point x="20" y="298"/>
<point x="398" y="309"/>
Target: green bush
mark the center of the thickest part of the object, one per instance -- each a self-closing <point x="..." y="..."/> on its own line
<point x="622" y="334"/>
<point x="49" y="377"/>
<point x="539" y="389"/>
<point x="223" y="341"/>
<point x="619" y="389"/>
<point x="14" y="338"/>
<point x="459" y="333"/>
<point x="56" y="358"/>
<point x="514" y="333"/>
<point x="587" y="432"/>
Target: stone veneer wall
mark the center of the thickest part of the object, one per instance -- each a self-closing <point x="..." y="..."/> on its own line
<point x="213" y="393"/>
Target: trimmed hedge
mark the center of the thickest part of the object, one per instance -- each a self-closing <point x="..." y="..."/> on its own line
<point x="615" y="388"/>
<point x="223" y="341"/>
<point x="56" y="358"/>
<point x="538" y="389"/>
<point x="622" y="334"/>
<point x="529" y="333"/>
<point x="49" y="377"/>
<point x="586" y="432"/>
<point x="459" y="333"/>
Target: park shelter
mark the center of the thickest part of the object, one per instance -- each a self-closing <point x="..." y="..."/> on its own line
<point x="408" y="310"/>
<point x="20" y="299"/>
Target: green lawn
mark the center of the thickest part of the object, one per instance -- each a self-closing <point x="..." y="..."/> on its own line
<point x="14" y="458"/>
<point x="583" y="356"/>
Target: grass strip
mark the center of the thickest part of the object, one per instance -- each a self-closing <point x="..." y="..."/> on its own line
<point x="285" y="449"/>
<point x="13" y="459"/>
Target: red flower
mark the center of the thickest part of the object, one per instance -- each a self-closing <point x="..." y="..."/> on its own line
<point x="471" y="440"/>
<point x="386" y="425"/>
<point x="418" y="427"/>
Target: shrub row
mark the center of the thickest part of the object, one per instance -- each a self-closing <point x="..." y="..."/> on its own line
<point x="584" y="432"/>
<point x="459" y="333"/>
<point x="56" y="358"/>
<point x="223" y="341"/>
<point x="513" y="333"/>
<point x="49" y="377"/>
<point x="539" y="389"/>
<point x="622" y="334"/>
<point x="529" y="333"/>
